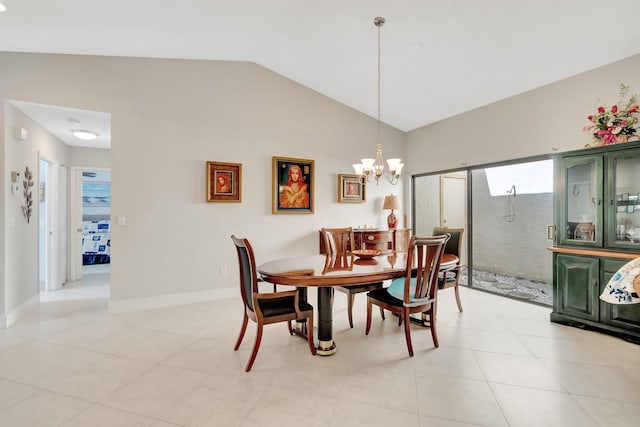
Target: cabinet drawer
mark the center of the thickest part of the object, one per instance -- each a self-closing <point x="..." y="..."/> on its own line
<point x="378" y="237"/>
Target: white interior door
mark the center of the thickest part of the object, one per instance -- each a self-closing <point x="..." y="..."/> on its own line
<point x="43" y="228"/>
<point x="63" y="225"/>
<point x="50" y="251"/>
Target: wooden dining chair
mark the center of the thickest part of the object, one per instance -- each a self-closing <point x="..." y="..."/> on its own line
<point x="418" y="292"/>
<point x="338" y="241"/>
<point x="267" y="307"/>
<point x="451" y="278"/>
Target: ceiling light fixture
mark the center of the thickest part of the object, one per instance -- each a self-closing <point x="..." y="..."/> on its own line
<point x="85" y="135"/>
<point x="374" y="168"/>
<point x="2" y="8"/>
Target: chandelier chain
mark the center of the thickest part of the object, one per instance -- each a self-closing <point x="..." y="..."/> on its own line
<point x="374" y="168"/>
<point x="379" y="23"/>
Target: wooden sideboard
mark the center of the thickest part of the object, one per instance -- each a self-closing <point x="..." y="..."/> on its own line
<point x="382" y="239"/>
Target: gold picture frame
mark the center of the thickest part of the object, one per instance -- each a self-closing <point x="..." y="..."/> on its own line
<point x="351" y="189"/>
<point x="224" y="182"/>
<point x="293" y="185"/>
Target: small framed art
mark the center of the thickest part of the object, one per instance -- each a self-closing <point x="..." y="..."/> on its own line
<point x="293" y="185"/>
<point x="224" y="182"/>
<point x="351" y="189"/>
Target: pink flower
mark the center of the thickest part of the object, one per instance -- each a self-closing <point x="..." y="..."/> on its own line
<point x="614" y="109"/>
<point x="634" y="109"/>
<point x="607" y="137"/>
<point x="600" y="109"/>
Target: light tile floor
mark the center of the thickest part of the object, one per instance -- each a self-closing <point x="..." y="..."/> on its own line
<point x="500" y="363"/>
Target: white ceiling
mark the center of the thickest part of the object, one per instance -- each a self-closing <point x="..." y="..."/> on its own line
<point x="473" y="52"/>
<point x="60" y="121"/>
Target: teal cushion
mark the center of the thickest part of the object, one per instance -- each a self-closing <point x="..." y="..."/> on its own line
<point x="396" y="289"/>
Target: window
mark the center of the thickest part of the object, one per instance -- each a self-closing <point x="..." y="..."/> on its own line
<point x="528" y="178"/>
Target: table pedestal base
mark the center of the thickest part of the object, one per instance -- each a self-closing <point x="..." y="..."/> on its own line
<point x="423" y="320"/>
<point x="326" y="345"/>
<point x="299" y="328"/>
<point x="326" y="348"/>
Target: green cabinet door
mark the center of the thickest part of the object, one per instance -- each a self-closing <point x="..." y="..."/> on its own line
<point x="577" y="286"/>
<point x="625" y="316"/>
<point x="579" y="182"/>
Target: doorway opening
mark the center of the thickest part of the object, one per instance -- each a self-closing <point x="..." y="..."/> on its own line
<point x="96" y="221"/>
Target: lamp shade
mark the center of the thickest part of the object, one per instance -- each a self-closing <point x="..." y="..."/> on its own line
<point x="391" y="202"/>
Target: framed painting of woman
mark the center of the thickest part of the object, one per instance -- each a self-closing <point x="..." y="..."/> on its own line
<point x="224" y="182"/>
<point x="351" y="189"/>
<point x="293" y="185"/>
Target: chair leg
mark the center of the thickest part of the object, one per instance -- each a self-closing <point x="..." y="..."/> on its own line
<point x="458" y="299"/>
<point x="350" y="298"/>
<point x="407" y="332"/>
<point x="312" y="345"/>
<point x="243" y="329"/>
<point x="382" y="313"/>
<point x="289" y="327"/>
<point x="432" y="326"/>
<point x="369" y="311"/>
<point x="256" y="346"/>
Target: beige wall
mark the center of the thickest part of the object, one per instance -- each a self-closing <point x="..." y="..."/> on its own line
<point x="168" y="118"/>
<point x="537" y="122"/>
<point x="21" y="238"/>
<point x="90" y="157"/>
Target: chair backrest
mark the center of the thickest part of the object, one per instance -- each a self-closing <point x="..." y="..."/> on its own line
<point x="423" y="265"/>
<point x="454" y="243"/>
<point x="338" y="240"/>
<point x="248" y="276"/>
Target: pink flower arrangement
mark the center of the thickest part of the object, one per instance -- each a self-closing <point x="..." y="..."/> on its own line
<point x="613" y="125"/>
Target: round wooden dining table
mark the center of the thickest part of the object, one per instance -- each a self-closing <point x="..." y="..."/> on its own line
<point x="324" y="272"/>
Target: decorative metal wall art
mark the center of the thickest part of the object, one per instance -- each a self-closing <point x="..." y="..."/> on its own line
<point x="27" y="183"/>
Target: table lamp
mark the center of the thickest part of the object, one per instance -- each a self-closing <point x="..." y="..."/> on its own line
<point x="391" y="202"/>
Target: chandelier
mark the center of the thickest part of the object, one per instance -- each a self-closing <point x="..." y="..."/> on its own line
<point x="374" y="168"/>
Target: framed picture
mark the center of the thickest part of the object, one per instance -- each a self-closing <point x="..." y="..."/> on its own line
<point x="96" y="194"/>
<point x="293" y="185"/>
<point x="351" y="189"/>
<point x="224" y="182"/>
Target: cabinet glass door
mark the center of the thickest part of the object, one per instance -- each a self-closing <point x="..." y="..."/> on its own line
<point x="581" y="210"/>
<point x="623" y="197"/>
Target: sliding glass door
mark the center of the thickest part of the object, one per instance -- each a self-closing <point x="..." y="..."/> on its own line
<point x="505" y="211"/>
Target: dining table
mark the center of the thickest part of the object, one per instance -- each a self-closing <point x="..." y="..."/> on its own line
<point x="342" y="269"/>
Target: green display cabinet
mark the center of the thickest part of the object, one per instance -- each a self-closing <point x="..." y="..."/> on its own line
<point x="597" y="231"/>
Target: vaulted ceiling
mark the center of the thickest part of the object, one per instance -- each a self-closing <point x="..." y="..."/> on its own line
<point x="438" y="58"/>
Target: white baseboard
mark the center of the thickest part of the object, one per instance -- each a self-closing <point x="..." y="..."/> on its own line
<point x="134" y="304"/>
<point x="26" y="306"/>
